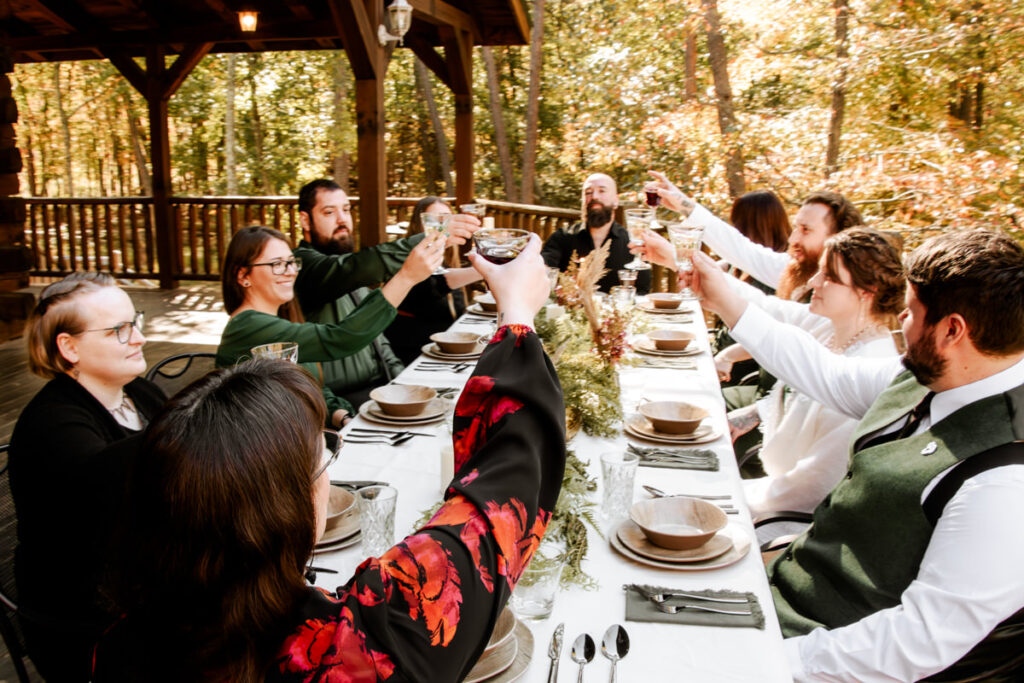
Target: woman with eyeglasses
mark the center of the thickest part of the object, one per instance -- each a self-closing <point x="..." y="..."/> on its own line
<point x="226" y="508"/>
<point x="258" y="285"/>
<point x="85" y="337"/>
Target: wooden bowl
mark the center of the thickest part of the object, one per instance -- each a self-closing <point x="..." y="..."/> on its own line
<point x="665" y="300"/>
<point x="673" y="417"/>
<point x="671" y="340"/>
<point x="487" y="302"/>
<point x="678" y="522"/>
<point x="402" y="400"/>
<point x="340" y="507"/>
<point x="456" y="342"/>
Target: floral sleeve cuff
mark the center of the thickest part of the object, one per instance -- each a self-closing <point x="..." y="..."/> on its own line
<point x="518" y="331"/>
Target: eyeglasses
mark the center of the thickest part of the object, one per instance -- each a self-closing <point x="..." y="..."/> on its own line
<point x="281" y="266"/>
<point x="333" y="448"/>
<point x="123" y="330"/>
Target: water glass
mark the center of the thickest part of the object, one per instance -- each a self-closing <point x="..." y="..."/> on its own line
<point x="618" y="469"/>
<point x="377" y="518"/>
<point x="288" y="351"/>
<point x="627" y="277"/>
<point x="623" y="297"/>
<point x="534" y="595"/>
<point x="638" y="220"/>
<point x="686" y="239"/>
<point x="552" y="277"/>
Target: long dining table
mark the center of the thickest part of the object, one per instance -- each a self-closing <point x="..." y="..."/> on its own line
<point x="658" y="651"/>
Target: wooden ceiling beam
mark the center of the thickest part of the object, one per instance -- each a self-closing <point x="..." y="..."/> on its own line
<point x="183" y="65"/>
<point x="132" y="72"/>
<point x="458" y="55"/>
<point x="222" y="10"/>
<point x="441" y="13"/>
<point x="51" y="16"/>
<point x="430" y="58"/>
<point x="359" y="35"/>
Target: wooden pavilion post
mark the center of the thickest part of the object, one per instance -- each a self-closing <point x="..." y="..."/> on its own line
<point x="357" y="22"/>
<point x="157" y="84"/>
<point x="458" y="47"/>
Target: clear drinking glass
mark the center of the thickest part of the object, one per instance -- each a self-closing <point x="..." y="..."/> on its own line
<point x="534" y="595"/>
<point x="478" y="210"/>
<point x="638" y="220"/>
<point x="623" y="297"/>
<point x="500" y="245"/>
<point x="288" y="351"/>
<point x="552" y="278"/>
<point x="627" y="277"/>
<point x="618" y="469"/>
<point x="436" y="223"/>
<point x="685" y="239"/>
<point x="377" y="518"/>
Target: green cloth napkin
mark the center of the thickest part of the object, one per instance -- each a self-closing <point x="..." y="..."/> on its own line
<point x="639" y="608"/>
<point x="705" y="459"/>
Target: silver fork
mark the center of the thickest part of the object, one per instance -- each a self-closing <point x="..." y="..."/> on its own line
<point x="380" y="439"/>
<point x="675" y="609"/>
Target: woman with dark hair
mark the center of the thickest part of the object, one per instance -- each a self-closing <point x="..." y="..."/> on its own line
<point x="858" y="292"/>
<point x="85" y="337"/>
<point x="762" y="218"/>
<point x="432" y="305"/>
<point x="226" y="509"/>
<point x="258" y="285"/>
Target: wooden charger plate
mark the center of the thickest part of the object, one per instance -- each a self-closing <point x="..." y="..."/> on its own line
<point x="643" y="344"/>
<point x="740" y="546"/>
<point x="634" y="539"/>
<point x="432" y="413"/>
<point x="520" y="663"/>
<point x="434" y="351"/>
<point x="637" y="425"/>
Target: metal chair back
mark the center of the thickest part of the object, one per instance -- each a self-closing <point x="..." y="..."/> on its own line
<point x="10" y="629"/>
<point x="174" y="373"/>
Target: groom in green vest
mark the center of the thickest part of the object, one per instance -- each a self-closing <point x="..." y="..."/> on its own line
<point x="914" y="564"/>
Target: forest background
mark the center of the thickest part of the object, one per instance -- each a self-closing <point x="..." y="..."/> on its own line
<point x="912" y="108"/>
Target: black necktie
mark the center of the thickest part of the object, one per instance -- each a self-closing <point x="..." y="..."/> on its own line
<point x="916" y="415"/>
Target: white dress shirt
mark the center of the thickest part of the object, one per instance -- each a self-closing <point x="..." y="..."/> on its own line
<point x="970" y="578"/>
<point x="757" y="260"/>
<point x="805" y="451"/>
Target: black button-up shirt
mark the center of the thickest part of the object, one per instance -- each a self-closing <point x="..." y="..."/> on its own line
<point x="558" y="250"/>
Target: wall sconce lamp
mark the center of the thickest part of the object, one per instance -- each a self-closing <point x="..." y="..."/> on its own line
<point x="400" y="18"/>
<point x="247" y="20"/>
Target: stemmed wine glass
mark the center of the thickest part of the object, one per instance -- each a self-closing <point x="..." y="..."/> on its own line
<point x="638" y="220"/>
<point x="500" y="245"/>
<point x="685" y="239"/>
<point x="478" y="210"/>
<point x="436" y="223"/>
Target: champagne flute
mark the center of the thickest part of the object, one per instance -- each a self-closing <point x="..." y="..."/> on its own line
<point x="685" y="239"/>
<point x="436" y="224"/>
<point x="638" y="220"/>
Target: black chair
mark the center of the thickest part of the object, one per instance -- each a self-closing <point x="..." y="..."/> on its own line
<point x="776" y="530"/>
<point x="10" y="629"/>
<point x="174" y="373"/>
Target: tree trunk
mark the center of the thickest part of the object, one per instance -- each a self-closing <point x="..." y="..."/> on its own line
<point x="139" y="153"/>
<point x="498" y="117"/>
<point x="229" y="128"/>
<point x="257" y="126"/>
<point x="30" y="164"/>
<point x="719" y="59"/>
<point x="533" y="103"/>
<point x="691" y="64"/>
<point x="65" y="129"/>
<point x="423" y="81"/>
<point x="342" y="162"/>
<point x="835" y="126"/>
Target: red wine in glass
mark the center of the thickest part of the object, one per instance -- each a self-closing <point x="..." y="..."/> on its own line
<point x="653" y="198"/>
<point x="499" y="255"/>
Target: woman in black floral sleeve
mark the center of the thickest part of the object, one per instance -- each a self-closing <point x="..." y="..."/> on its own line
<point x="228" y="505"/>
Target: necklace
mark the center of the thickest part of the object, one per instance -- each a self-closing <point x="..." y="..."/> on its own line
<point x="125" y="413"/>
<point x="854" y="339"/>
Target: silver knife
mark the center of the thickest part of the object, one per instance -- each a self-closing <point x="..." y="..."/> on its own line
<point x="554" y="651"/>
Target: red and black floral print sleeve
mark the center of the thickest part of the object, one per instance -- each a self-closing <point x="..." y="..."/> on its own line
<point x="424" y="610"/>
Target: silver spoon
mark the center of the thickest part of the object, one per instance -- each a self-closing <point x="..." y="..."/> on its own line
<point x="615" y="646"/>
<point x="583" y="652"/>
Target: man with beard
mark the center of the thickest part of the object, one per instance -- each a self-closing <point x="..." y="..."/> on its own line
<point x="912" y="564"/>
<point x="600" y="199"/>
<point x="822" y="214"/>
<point x="334" y="279"/>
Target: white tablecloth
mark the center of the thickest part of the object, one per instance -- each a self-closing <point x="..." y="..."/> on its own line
<point x="658" y="652"/>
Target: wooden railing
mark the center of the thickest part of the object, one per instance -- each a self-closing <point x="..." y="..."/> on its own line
<point x="116" y="234"/>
